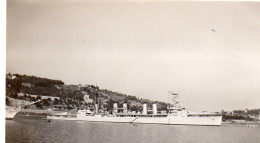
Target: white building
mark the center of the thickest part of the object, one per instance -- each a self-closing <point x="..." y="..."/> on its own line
<point x="10" y="76"/>
<point x="42" y="96"/>
<point x="87" y="99"/>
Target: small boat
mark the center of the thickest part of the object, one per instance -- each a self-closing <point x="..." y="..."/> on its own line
<point x="10" y="112"/>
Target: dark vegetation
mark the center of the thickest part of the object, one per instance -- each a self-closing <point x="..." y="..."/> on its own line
<point x="71" y="96"/>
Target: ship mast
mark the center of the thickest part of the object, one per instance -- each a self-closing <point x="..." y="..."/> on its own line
<point x="96" y="99"/>
<point x="175" y="102"/>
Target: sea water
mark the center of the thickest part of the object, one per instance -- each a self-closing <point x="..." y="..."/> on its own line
<point x="35" y="130"/>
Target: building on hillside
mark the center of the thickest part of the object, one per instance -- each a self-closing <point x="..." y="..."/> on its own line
<point x="10" y="76"/>
<point x="87" y="99"/>
<point x="42" y="96"/>
<point x="57" y="86"/>
<point x="20" y="94"/>
<point x="51" y="97"/>
<point x="84" y="92"/>
<point x="58" y="107"/>
<point x="27" y="84"/>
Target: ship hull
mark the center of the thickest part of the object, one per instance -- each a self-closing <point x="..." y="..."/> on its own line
<point x="206" y="121"/>
<point x="10" y="112"/>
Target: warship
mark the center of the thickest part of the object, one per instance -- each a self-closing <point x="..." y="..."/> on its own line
<point x="175" y="116"/>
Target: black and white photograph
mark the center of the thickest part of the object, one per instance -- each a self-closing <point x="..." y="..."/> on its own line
<point x="131" y="71"/>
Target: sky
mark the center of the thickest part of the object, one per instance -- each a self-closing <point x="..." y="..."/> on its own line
<point x="208" y="52"/>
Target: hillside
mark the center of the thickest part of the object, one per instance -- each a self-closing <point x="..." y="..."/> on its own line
<point x="70" y="96"/>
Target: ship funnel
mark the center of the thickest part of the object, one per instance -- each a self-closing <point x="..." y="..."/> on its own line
<point x="115" y="108"/>
<point x="125" y="108"/>
<point x="154" y="108"/>
<point x="96" y="107"/>
<point x="144" y="108"/>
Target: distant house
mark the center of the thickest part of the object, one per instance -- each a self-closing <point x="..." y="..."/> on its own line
<point x="20" y="94"/>
<point x="87" y="99"/>
<point x="238" y="113"/>
<point x="42" y="96"/>
<point x="27" y="84"/>
<point x="10" y="76"/>
<point x="229" y="113"/>
<point x="51" y="97"/>
<point x="84" y="92"/>
<point x="57" y="86"/>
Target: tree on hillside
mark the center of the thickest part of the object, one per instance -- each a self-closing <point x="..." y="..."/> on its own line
<point x="13" y="95"/>
<point x="38" y="105"/>
<point x="110" y="103"/>
<point x="33" y="99"/>
<point x="38" y="98"/>
<point x="128" y="106"/>
<point x="16" y="85"/>
<point x="7" y="102"/>
<point x="126" y="100"/>
<point x="132" y="98"/>
<point x="46" y="102"/>
<point x="134" y="108"/>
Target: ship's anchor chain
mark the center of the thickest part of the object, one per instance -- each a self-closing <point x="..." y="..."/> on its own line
<point x="134" y="119"/>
